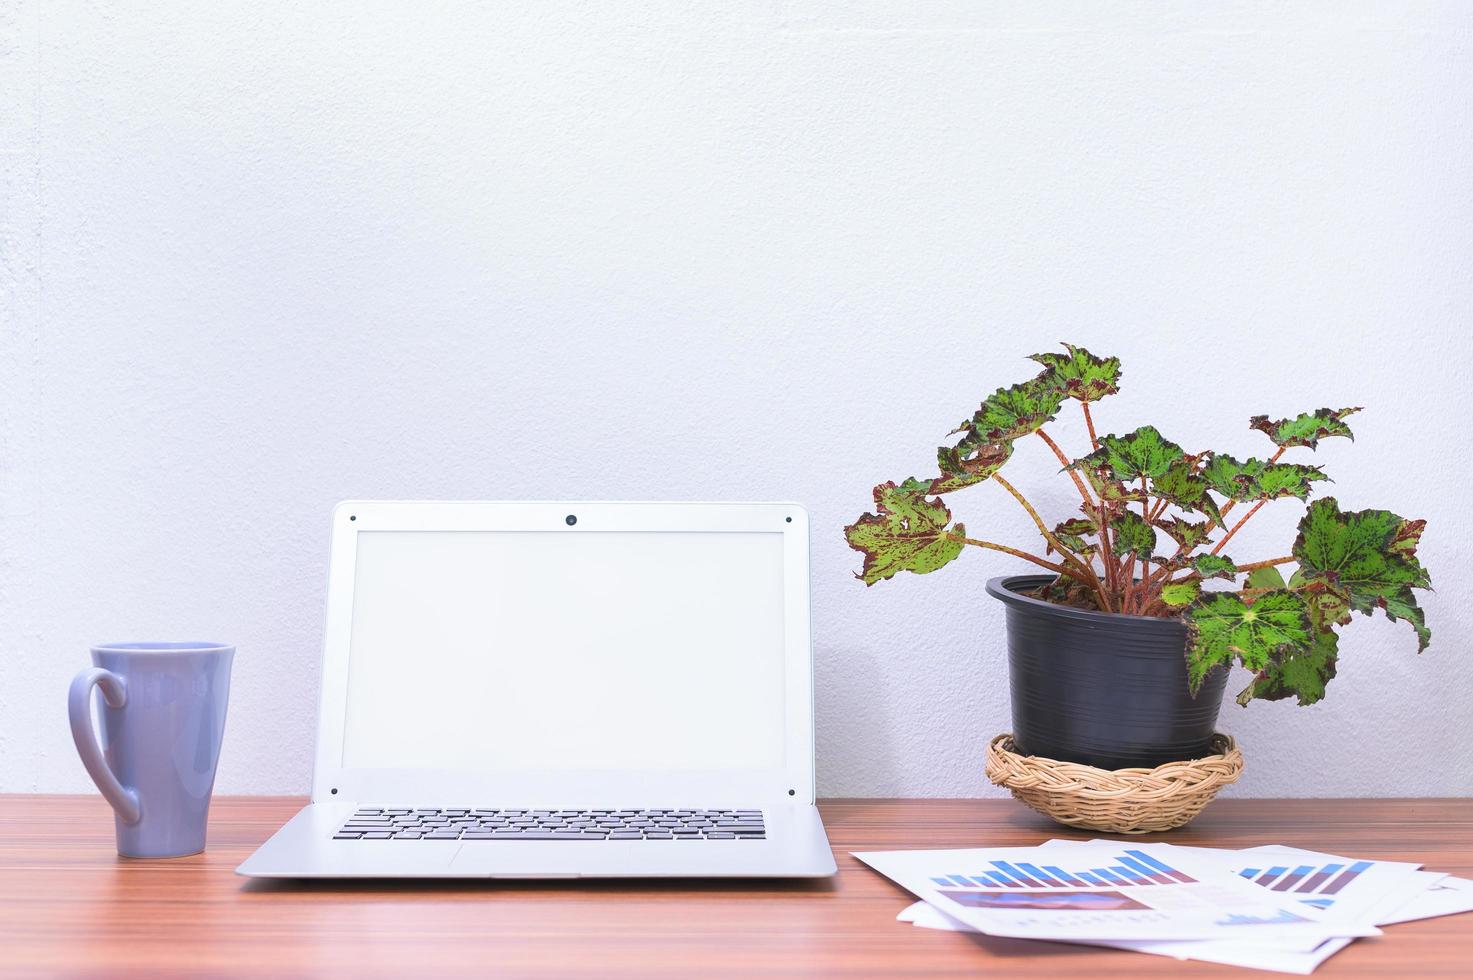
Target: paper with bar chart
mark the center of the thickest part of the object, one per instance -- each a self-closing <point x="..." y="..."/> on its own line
<point x="1232" y="952"/>
<point x="1385" y="891"/>
<point x="1342" y="889"/>
<point x="1100" y="891"/>
<point x="1338" y="885"/>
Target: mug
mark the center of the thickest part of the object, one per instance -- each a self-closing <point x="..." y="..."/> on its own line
<point x="163" y="716"/>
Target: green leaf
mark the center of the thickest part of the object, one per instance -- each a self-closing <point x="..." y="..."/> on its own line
<point x="1182" y="486"/>
<point x="908" y="533"/>
<point x="1327" y="607"/>
<point x="1107" y="488"/>
<point x="1081" y="374"/>
<point x="1223" y="474"/>
<point x="1181" y="593"/>
<point x="1302" y="674"/>
<point x="1307" y="429"/>
<point x="1277" y="480"/>
<point x="1072" y="535"/>
<point x="1011" y="413"/>
<point x="1221" y="629"/>
<point x="1368" y="558"/>
<point x="1258" y="480"/>
<point x="1184" y="533"/>
<point x="1143" y="452"/>
<point x="960" y="469"/>
<point x="1408" y="536"/>
<point x="1132" y="535"/>
<point x="987" y="437"/>
<point x="1266" y="578"/>
<point x="1215" y="566"/>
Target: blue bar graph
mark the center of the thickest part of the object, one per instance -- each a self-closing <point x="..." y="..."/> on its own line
<point x="1135" y="868"/>
<point x="1161" y="866"/>
<point x="1346" y="877"/>
<point x="1145" y="869"/>
<point x="1293" y="878"/>
<point x="1307" y="879"/>
<point x="1314" y="881"/>
<point x="1017" y="875"/>
<point x="1039" y="873"/>
<point x="1282" y="915"/>
<point x="1062" y="875"/>
<point x="1129" y="875"/>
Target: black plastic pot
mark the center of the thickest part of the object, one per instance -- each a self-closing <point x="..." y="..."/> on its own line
<point x="1102" y="689"/>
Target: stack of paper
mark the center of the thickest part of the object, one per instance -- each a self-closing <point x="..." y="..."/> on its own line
<point x="1269" y="908"/>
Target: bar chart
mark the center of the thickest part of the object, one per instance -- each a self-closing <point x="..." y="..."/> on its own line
<point x="1325" y="880"/>
<point x="1281" y="917"/>
<point x="1130" y="868"/>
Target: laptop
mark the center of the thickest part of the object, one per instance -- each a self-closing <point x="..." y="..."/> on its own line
<point x="562" y="690"/>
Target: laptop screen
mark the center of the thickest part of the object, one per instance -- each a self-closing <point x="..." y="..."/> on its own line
<point x="556" y="651"/>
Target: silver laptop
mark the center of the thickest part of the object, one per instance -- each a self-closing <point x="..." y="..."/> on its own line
<point x="562" y="690"/>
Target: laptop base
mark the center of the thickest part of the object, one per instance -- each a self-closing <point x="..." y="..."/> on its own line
<point x="794" y="846"/>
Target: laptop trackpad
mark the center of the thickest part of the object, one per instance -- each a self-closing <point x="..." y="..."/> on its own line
<point x="643" y="859"/>
<point x="522" y="860"/>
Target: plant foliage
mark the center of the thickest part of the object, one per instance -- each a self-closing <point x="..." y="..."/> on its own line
<point x="907" y="533"/>
<point x="1152" y="524"/>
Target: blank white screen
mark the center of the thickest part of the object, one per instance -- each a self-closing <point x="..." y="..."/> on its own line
<point x="535" y="650"/>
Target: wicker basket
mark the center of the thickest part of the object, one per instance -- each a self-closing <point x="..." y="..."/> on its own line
<point x="1117" y="801"/>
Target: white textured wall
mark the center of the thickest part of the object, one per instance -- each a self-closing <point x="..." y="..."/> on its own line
<point x="261" y="257"/>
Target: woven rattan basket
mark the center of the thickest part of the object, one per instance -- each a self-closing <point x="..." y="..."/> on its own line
<point x="1117" y="801"/>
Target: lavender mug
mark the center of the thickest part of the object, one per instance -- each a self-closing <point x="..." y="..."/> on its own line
<point x="162" y="720"/>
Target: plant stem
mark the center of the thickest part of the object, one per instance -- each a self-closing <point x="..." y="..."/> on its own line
<point x="1157" y="574"/>
<point x="1089" y="423"/>
<point x="1069" y="556"/>
<point x="1032" y="512"/>
<point x="1060" y="569"/>
<point x="1155" y="607"/>
<point x="1139" y="590"/>
<point x="1149" y="608"/>
<point x="1266" y="563"/>
<point x="1154" y="603"/>
<point x="1234" y="529"/>
<point x="1107" y="561"/>
<point x="1064" y="462"/>
<point x="1107" y="558"/>
<point x="1251" y="567"/>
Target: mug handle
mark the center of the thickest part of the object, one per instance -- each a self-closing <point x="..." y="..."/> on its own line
<point x="79" y="707"/>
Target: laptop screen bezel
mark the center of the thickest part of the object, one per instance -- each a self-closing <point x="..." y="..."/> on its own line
<point x="793" y="782"/>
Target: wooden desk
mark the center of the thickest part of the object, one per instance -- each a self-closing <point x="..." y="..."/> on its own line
<point x="70" y="906"/>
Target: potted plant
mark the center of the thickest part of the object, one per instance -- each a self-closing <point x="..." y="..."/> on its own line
<point x="1118" y="655"/>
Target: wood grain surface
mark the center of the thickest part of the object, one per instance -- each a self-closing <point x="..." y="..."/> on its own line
<point x="69" y="906"/>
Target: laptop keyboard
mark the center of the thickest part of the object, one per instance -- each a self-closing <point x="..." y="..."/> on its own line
<point x="468" y="824"/>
